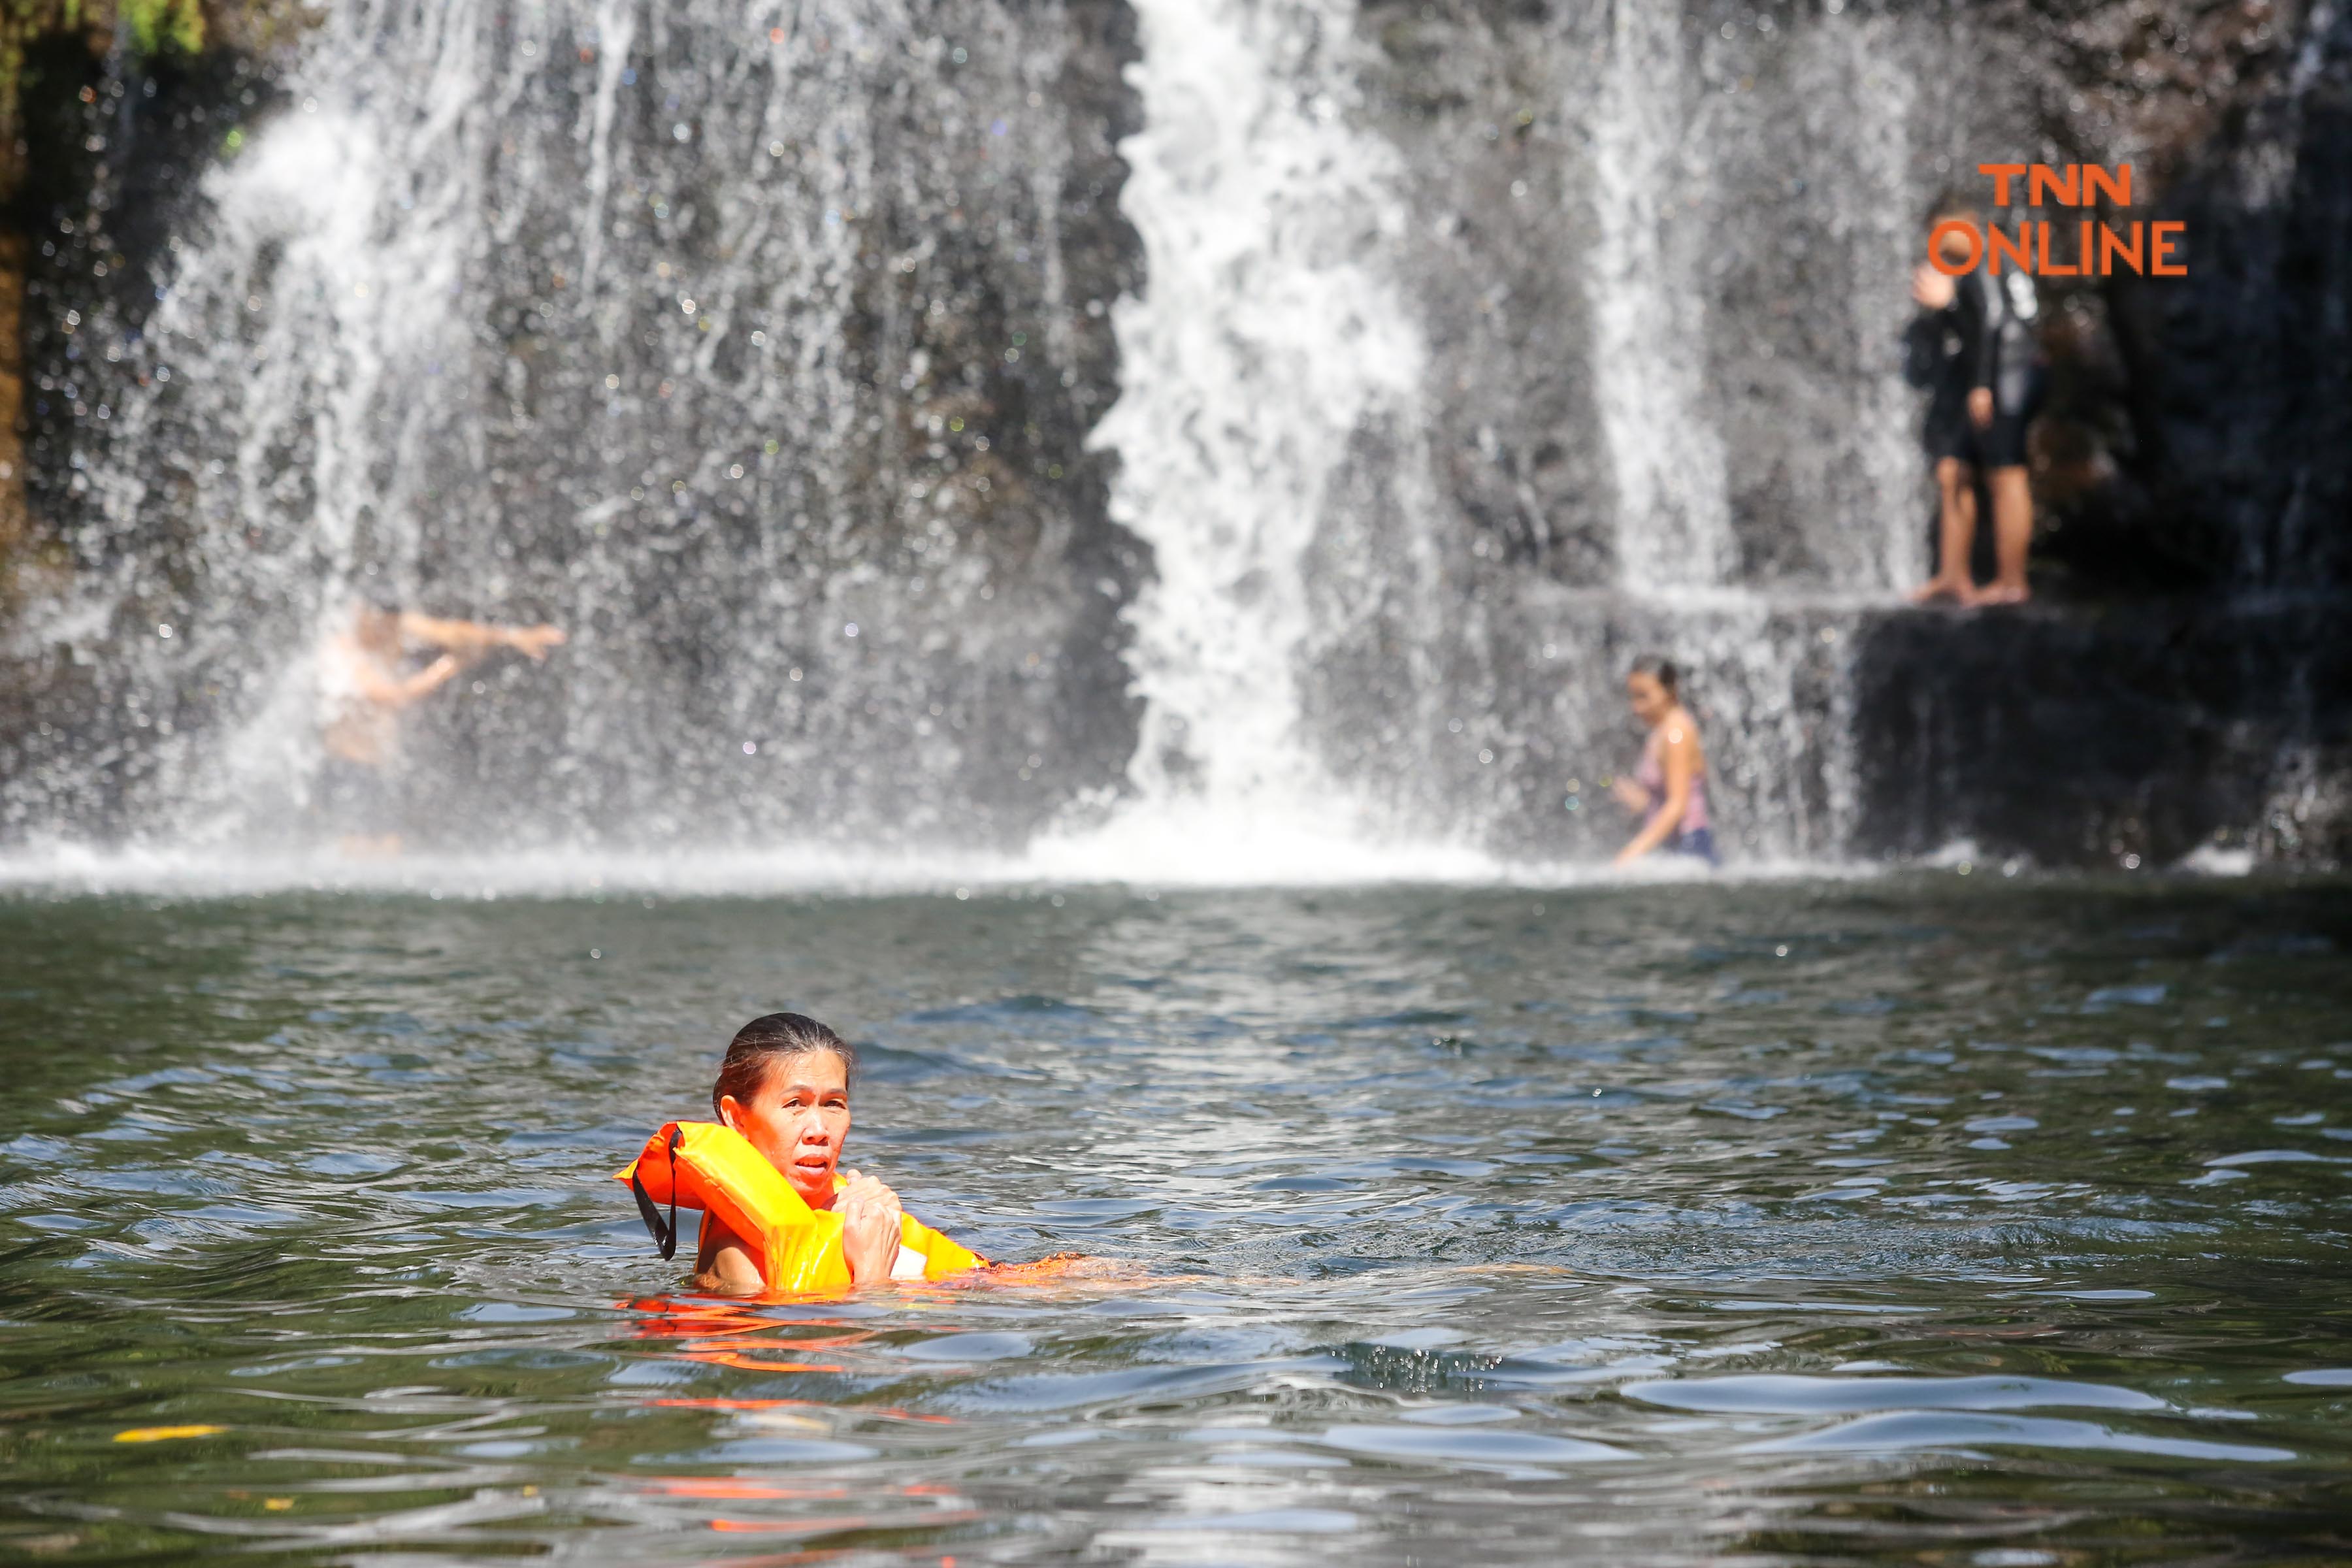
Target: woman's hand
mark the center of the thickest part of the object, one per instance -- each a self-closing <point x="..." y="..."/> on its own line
<point x="1933" y="289"/>
<point x="422" y="684"/>
<point x="1980" y="406"/>
<point x="869" y="1228"/>
<point x="534" y="642"/>
<point x="1680" y="753"/>
<point x="1630" y="795"/>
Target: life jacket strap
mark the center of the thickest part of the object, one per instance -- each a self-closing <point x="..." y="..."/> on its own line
<point x="665" y="1235"/>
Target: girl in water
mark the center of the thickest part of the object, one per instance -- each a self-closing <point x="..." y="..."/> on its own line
<point x="784" y="1085"/>
<point x="1669" y="788"/>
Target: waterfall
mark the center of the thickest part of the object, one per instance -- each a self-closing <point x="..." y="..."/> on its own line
<point x="1674" y="526"/>
<point x="992" y="436"/>
<point x="1271" y="336"/>
<point x="751" y="345"/>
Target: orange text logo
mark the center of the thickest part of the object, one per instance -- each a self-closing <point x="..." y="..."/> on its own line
<point x="2098" y="247"/>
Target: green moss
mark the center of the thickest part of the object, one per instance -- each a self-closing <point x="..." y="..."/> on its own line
<point x="158" y="24"/>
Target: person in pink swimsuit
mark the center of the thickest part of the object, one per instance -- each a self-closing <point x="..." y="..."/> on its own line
<point x="1668" y="791"/>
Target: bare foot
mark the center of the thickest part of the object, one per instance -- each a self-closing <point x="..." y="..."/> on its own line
<point x="2000" y="593"/>
<point x="1941" y="587"/>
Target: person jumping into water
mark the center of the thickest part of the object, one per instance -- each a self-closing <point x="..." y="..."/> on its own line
<point x="1668" y="790"/>
<point x="364" y="687"/>
<point x="1973" y="345"/>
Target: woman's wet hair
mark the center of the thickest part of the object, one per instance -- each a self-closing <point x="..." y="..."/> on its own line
<point x="1661" y="670"/>
<point x="1950" y="207"/>
<point x="766" y="1044"/>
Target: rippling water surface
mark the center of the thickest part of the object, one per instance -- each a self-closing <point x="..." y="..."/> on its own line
<point x="1910" y="1221"/>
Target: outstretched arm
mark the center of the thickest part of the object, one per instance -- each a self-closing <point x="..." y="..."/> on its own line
<point x="478" y="638"/>
<point x="1681" y="762"/>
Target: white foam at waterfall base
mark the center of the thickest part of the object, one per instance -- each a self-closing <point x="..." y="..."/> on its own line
<point x="65" y="870"/>
<point x="1267" y="331"/>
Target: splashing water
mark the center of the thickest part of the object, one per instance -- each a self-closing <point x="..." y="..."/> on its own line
<point x="1267" y="337"/>
<point x="1674" y="527"/>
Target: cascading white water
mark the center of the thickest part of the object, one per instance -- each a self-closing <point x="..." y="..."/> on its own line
<point x="1271" y="329"/>
<point x="1674" y="523"/>
<point x="1699" y="417"/>
<point x="712" y="333"/>
<point x="1878" y="547"/>
<point x="1272" y="337"/>
<point x="312" y="321"/>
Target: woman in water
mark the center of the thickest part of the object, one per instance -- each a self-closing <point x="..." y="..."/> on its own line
<point x="1669" y="788"/>
<point x="784" y="1085"/>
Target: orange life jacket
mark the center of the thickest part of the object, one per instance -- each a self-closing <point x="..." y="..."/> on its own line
<point x="710" y="1166"/>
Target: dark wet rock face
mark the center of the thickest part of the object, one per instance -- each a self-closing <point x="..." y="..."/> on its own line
<point x="2245" y="390"/>
<point x="2198" y="438"/>
<point x="2149" y="731"/>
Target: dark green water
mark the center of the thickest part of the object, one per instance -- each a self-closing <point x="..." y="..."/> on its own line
<point x="1916" y="1221"/>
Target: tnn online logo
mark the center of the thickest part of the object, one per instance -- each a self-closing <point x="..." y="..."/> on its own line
<point x="2100" y="248"/>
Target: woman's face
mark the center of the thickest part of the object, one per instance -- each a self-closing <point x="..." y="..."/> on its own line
<point x="1648" y="696"/>
<point x="1953" y="247"/>
<point x="799" y="1119"/>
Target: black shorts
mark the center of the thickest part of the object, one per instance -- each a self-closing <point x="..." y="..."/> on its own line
<point x="2000" y="445"/>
